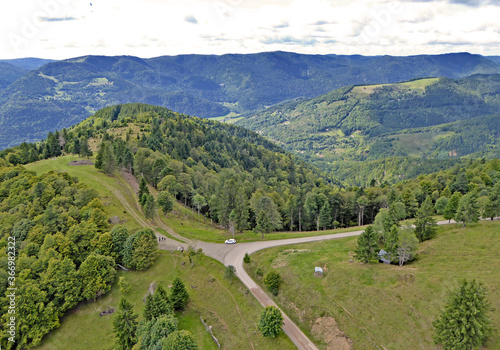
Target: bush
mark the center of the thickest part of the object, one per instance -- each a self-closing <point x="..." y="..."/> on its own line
<point x="246" y="258"/>
<point x="229" y="272"/>
<point x="271" y="322"/>
<point x="272" y="282"/>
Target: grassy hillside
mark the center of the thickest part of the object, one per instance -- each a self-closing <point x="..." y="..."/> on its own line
<point x="60" y="94"/>
<point x="385" y="306"/>
<point x="226" y="306"/>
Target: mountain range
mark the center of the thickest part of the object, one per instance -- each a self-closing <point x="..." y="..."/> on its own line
<point x="59" y="94"/>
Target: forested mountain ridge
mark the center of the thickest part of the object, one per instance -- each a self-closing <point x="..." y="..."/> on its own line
<point x="28" y="63"/>
<point x="230" y="174"/>
<point x="61" y="93"/>
<point x="435" y="118"/>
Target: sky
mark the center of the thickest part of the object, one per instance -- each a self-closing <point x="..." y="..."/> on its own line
<point x="59" y="29"/>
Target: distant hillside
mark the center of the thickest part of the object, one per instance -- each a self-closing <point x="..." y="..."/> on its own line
<point x="495" y="59"/>
<point x="28" y="63"/>
<point x="9" y="73"/>
<point x="431" y="118"/>
<point x="61" y="93"/>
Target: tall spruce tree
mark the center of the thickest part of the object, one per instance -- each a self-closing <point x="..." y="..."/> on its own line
<point x="464" y="323"/>
<point x="125" y="325"/>
<point x="143" y="189"/>
<point x="367" y="251"/>
<point x="179" y="296"/>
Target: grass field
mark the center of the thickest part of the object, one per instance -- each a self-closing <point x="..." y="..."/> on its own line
<point x="384" y="306"/>
<point x="418" y="86"/>
<point x="97" y="180"/>
<point x="227" y="307"/>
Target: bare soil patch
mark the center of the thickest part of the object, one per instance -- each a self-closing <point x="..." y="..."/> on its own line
<point x="81" y="162"/>
<point x="131" y="181"/>
<point x="328" y="330"/>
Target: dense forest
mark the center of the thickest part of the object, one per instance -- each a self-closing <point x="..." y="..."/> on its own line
<point x="57" y="250"/>
<point x="237" y="178"/>
<point x="428" y="118"/>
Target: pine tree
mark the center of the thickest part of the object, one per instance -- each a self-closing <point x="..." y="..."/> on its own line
<point x="366" y="250"/>
<point x="392" y="243"/>
<point x="464" y="323"/>
<point x="425" y="225"/>
<point x="178" y="294"/>
<point x="149" y="206"/>
<point x="125" y="326"/>
<point x="143" y="189"/>
<point x="84" y="149"/>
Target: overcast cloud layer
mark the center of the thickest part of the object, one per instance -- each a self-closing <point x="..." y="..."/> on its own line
<point x="67" y="28"/>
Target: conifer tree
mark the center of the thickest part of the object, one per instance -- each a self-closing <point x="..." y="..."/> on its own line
<point x="143" y="189"/>
<point x="178" y="294"/>
<point x="84" y="149"/>
<point x="366" y="250"/>
<point x="392" y="243"/>
<point x="464" y="323"/>
<point x="425" y="225"/>
<point x="492" y="208"/>
<point x="125" y="326"/>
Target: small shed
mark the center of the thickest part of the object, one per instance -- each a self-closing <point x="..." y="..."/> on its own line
<point x="318" y="271"/>
<point x="382" y="257"/>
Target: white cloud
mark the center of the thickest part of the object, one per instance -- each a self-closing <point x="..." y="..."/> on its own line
<point x="150" y="28"/>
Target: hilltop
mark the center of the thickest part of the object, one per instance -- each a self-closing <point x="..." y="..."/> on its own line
<point x="61" y="93"/>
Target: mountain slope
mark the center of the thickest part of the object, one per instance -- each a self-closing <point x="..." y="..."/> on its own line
<point x="9" y="73"/>
<point x="60" y="93"/>
<point x="28" y="63"/>
<point x="372" y="122"/>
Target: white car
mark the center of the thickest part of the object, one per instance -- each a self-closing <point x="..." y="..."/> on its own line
<point x="230" y="241"/>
